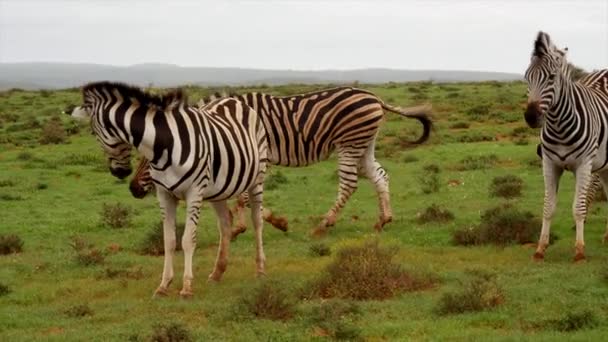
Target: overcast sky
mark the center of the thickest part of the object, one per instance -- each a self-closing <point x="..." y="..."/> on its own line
<point x="306" y="34"/>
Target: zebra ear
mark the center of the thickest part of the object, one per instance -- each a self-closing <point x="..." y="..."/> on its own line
<point x="80" y="113"/>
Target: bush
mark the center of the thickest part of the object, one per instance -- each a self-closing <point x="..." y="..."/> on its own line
<point x="53" y="133"/>
<point x="4" y="289"/>
<point x="460" y="125"/>
<point x="501" y="225"/>
<point x="366" y="272"/>
<point x="435" y="213"/>
<point x="481" y="293"/>
<point x="116" y="215"/>
<point x="320" y="249"/>
<point x="479" y="112"/>
<point x="42" y="186"/>
<point x="6" y="183"/>
<point x="274" y="180"/>
<point x="429" y="178"/>
<point x="10" y="197"/>
<point x="336" y="318"/>
<point x="25" y="156"/>
<point x="268" y="301"/>
<point x="574" y="321"/>
<point x="508" y="186"/>
<point x="78" y="311"/>
<point x="10" y="243"/>
<point x="171" y="332"/>
<point x="153" y="242"/>
<point x="86" y="253"/>
<point x="478" y="162"/>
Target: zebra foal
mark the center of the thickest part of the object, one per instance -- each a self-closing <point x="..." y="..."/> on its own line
<point x="573" y="117"/>
<point x="213" y="153"/>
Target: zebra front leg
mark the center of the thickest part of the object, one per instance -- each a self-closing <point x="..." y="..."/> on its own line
<point x="223" y="220"/>
<point x="552" y="174"/>
<point x="347" y="172"/>
<point x="189" y="244"/>
<point x="579" y="207"/>
<point x="255" y="197"/>
<point x="168" y="206"/>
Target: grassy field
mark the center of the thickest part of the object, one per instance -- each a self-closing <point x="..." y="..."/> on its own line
<point x="52" y="195"/>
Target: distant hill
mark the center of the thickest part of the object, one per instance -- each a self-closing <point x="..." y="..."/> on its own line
<point x="66" y="75"/>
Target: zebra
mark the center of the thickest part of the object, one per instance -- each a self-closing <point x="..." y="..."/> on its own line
<point x="213" y="153"/>
<point x="305" y="129"/>
<point x="574" y="120"/>
<point x="142" y="184"/>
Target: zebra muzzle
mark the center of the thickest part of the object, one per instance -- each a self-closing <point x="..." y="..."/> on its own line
<point x="533" y="115"/>
<point x="120" y="173"/>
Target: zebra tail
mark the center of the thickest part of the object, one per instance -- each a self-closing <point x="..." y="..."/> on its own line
<point x="420" y="113"/>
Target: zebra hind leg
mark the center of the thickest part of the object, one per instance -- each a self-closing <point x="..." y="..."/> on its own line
<point x="348" y="160"/>
<point x="371" y="169"/>
<point x="189" y="244"/>
<point x="603" y="177"/>
<point x="168" y="206"/>
<point x="221" y="262"/>
<point x="255" y="196"/>
<point x="579" y="207"/>
<point x="239" y="211"/>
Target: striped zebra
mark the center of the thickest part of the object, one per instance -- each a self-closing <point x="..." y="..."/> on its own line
<point x="574" y="134"/>
<point x="305" y="129"/>
<point x="213" y="153"/>
<point x="142" y="184"/>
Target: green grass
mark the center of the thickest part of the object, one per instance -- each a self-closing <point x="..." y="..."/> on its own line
<point x="46" y="280"/>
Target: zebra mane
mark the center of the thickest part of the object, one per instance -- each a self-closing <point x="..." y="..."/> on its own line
<point x="171" y="98"/>
<point x="213" y="97"/>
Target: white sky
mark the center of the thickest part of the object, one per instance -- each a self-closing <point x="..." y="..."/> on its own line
<point x="487" y="35"/>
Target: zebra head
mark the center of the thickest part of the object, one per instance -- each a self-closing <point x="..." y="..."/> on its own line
<point x="98" y="99"/>
<point x="142" y="183"/>
<point x="548" y="68"/>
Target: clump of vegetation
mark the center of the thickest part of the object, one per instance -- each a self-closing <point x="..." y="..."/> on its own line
<point x="170" y="332"/>
<point x="479" y="112"/>
<point x="478" y="162"/>
<point x="409" y="158"/>
<point x="574" y="321"/>
<point x="4" y="289"/>
<point x="78" y="311"/>
<point x="153" y="243"/>
<point x="86" y="253"/>
<point x="366" y="272"/>
<point x="337" y="319"/>
<point x="480" y="293"/>
<point x="114" y="273"/>
<point x="429" y="178"/>
<point x="10" y="197"/>
<point x="10" y="243"/>
<point x="460" y="125"/>
<point x="501" y="225"/>
<point x="508" y="186"/>
<point x="6" y="183"/>
<point x="476" y="137"/>
<point x="25" y="156"/>
<point x="41" y="186"/>
<point x="274" y="180"/>
<point x="53" y="133"/>
<point x="116" y="215"/>
<point x="268" y="301"/>
<point x="320" y="249"/>
<point x="435" y="213"/>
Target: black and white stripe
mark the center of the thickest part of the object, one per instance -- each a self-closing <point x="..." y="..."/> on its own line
<point x="574" y="134"/>
<point x="212" y="153"/>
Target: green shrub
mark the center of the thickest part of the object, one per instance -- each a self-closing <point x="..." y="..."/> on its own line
<point x="275" y="180"/>
<point x="10" y="197"/>
<point x="24" y="156"/>
<point x="53" y="133"/>
<point x="4" y="289"/>
<point x="116" y="215"/>
<point x="320" y="249"/>
<point x="501" y="225"/>
<point x="508" y="186"/>
<point x="6" y="183"/>
<point x="435" y="213"/>
<point x="170" y="332"/>
<point x="337" y="319"/>
<point x="153" y="243"/>
<point x="366" y="272"/>
<point x="78" y="311"/>
<point x="478" y="162"/>
<point x="460" y="125"/>
<point x="268" y="301"/>
<point x="86" y="253"/>
<point x="429" y="178"/>
<point x="574" y="321"/>
<point x="480" y="293"/>
<point x="10" y="243"/>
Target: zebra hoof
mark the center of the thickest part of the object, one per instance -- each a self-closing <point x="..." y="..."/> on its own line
<point x="160" y="292"/>
<point x="538" y="256"/>
<point x="319" y="232"/>
<point x="579" y="258"/>
<point x="185" y="294"/>
<point x="236" y="232"/>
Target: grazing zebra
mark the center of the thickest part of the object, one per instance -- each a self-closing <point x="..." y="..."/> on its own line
<point x="305" y="129"/>
<point x="213" y="153"/>
<point x="142" y="184"/>
<point x="574" y="134"/>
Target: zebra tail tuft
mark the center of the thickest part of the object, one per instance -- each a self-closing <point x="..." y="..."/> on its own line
<point x="420" y="113"/>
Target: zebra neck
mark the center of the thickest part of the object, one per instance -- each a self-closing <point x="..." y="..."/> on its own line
<point x="563" y="114"/>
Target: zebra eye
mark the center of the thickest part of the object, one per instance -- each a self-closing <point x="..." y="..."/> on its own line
<point x="551" y="77"/>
